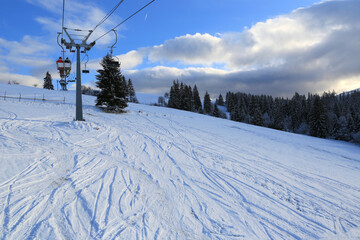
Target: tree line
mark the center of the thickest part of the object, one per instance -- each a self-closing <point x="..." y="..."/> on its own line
<point x="186" y="98"/>
<point x="326" y="116"/>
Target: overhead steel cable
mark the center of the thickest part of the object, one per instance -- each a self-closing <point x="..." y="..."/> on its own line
<point x="63" y="17"/>
<point x="108" y="15"/>
<point x="78" y="30"/>
<point x="62" y="29"/>
<point x="125" y="20"/>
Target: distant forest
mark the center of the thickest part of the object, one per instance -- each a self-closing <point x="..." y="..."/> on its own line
<point x="326" y="116"/>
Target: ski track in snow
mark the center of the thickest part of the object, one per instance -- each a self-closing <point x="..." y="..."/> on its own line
<point x="154" y="173"/>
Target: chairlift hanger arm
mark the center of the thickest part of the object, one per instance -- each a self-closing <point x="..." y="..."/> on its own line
<point x="111" y="48"/>
<point x="59" y="33"/>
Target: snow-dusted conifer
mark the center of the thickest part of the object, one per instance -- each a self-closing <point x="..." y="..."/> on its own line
<point x="174" y="99"/>
<point x="220" y="100"/>
<point x="48" y="82"/>
<point x="131" y="92"/>
<point x="216" y="112"/>
<point x="318" y="118"/>
<point x="342" y="130"/>
<point x="207" y="103"/>
<point x="197" y="106"/>
<point x="112" y="85"/>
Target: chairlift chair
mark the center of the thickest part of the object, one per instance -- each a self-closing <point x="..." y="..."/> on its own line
<point x="71" y="78"/>
<point x="86" y="70"/>
<point x="64" y="67"/>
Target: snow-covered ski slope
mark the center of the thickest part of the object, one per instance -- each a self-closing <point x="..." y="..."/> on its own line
<point x="158" y="173"/>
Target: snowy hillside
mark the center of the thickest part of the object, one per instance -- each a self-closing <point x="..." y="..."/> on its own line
<point x="158" y="173"/>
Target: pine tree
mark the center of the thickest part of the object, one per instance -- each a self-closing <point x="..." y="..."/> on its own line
<point x="112" y="85"/>
<point x="278" y="116"/>
<point x="131" y="92"/>
<point x="216" y="112"/>
<point x="220" y="100"/>
<point x="196" y="99"/>
<point x="207" y="103"/>
<point x="342" y="130"/>
<point x="187" y="98"/>
<point x="174" y="98"/>
<point x="171" y="102"/>
<point x="318" y="118"/>
<point x="255" y="111"/>
<point x="296" y="110"/>
<point x="182" y="96"/>
<point x="257" y="118"/>
<point x="48" y="82"/>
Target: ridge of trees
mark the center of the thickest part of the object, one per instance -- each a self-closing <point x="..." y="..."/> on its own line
<point x="184" y="97"/>
<point x="327" y="116"/>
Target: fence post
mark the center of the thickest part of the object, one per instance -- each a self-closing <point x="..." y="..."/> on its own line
<point x="5" y="95"/>
<point x="64" y="99"/>
<point x="34" y="97"/>
<point x="19" y="97"/>
<point x="43" y="98"/>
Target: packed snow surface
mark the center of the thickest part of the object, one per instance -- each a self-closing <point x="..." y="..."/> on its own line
<point x="158" y="173"/>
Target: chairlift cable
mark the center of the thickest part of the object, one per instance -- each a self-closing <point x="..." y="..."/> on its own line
<point x="109" y="14"/>
<point x="62" y="27"/>
<point x="73" y="56"/>
<point x="63" y="19"/>
<point x="85" y="56"/>
<point x="125" y="20"/>
<point x="78" y="30"/>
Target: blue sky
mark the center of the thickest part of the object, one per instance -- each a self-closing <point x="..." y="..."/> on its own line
<point x="272" y="47"/>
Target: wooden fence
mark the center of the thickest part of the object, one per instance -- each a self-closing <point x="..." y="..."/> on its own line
<point x="35" y="98"/>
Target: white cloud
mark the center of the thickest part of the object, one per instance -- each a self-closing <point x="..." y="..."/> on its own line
<point x="78" y="15"/>
<point x="159" y="79"/>
<point x="128" y="60"/>
<point x="21" y="79"/>
<point x="311" y="49"/>
<point x="190" y="49"/>
<point x="29" y="46"/>
<point x="29" y="53"/>
<point x="27" y="60"/>
<point x="268" y="43"/>
<point x="50" y="5"/>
